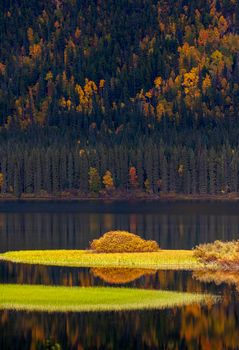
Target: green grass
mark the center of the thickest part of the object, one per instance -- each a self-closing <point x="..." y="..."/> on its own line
<point x="163" y="259"/>
<point x="63" y="299"/>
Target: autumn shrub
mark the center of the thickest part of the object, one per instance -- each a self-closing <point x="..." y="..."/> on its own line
<point x="122" y="241"/>
<point x="120" y="275"/>
<point x="219" y="254"/>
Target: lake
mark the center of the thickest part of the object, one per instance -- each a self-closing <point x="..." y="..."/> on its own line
<point x="67" y="225"/>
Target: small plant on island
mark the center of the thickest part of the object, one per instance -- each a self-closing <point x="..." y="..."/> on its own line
<point x="219" y="255"/>
<point x="122" y="242"/>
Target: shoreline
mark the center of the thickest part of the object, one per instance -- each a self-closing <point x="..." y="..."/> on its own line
<point x="232" y="197"/>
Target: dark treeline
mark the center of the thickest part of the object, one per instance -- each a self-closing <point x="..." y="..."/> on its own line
<point x="148" y="168"/>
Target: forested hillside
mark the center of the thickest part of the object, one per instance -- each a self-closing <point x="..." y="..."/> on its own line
<point x="138" y="96"/>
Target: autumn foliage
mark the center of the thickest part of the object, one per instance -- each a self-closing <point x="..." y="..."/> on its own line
<point x="219" y="255"/>
<point x="88" y="105"/>
<point x="178" y="57"/>
<point x="133" y="177"/>
<point x="108" y="180"/>
<point x="122" y="241"/>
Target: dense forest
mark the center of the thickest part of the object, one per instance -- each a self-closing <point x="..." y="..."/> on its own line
<point x="106" y="97"/>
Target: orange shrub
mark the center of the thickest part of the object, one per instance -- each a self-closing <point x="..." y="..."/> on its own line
<point x="219" y="254"/>
<point x="122" y="242"/>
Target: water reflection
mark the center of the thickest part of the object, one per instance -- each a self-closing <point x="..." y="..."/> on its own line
<point x="174" y="226"/>
<point x="218" y="277"/>
<point x="86" y="277"/>
<point x="73" y="225"/>
<point x="120" y="275"/>
<point x="191" y="327"/>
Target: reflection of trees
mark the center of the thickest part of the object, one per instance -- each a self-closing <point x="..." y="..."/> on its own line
<point x="47" y="275"/>
<point x="120" y="275"/>
<point x="66" y="276"/>
<point x="182" y="224"/>
<point x="214" y="327"/>
<point x="190" y="327"/>
<point x="218" y="277"/>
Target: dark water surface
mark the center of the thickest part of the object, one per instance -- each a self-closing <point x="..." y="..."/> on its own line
<point x="56" y="225"/>
<point x="73" y="225"/>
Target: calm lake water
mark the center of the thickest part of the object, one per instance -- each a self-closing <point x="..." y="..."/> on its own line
<point x="72" y="225"/>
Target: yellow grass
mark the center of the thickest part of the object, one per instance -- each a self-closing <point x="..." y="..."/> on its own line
<point x="163" y="259"/>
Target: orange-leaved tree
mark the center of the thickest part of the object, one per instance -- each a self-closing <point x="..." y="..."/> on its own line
<point x="133" y="178"/>
<point x="108" y="180"/>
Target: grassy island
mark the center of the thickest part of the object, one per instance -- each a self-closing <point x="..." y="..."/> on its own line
<point x="212" y="256"/>
<point x="113" y="249"/>
<point x="63" y="299"/>
<point x="162" y="259"/>
<point x="126" y="250"/>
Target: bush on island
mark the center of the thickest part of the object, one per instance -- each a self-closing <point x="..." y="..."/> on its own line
<point x="122" y="242"/>
<point x="219" y="254"/>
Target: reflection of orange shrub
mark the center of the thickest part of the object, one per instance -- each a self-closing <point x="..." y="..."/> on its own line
<point x="120" y="275"/>
<point x="122" y="241"/>
<point x="218" y="277"/>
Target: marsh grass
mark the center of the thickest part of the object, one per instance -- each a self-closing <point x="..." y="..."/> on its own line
<point x="218" y="255"/>
<point x="63" y="299"/>
<point x="162" y="259"/>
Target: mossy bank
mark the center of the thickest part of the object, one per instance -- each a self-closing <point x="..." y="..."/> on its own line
<point x="78" y="299"/>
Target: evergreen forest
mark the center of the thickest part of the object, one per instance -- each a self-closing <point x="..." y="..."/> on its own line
<point x="109" y="97"/>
